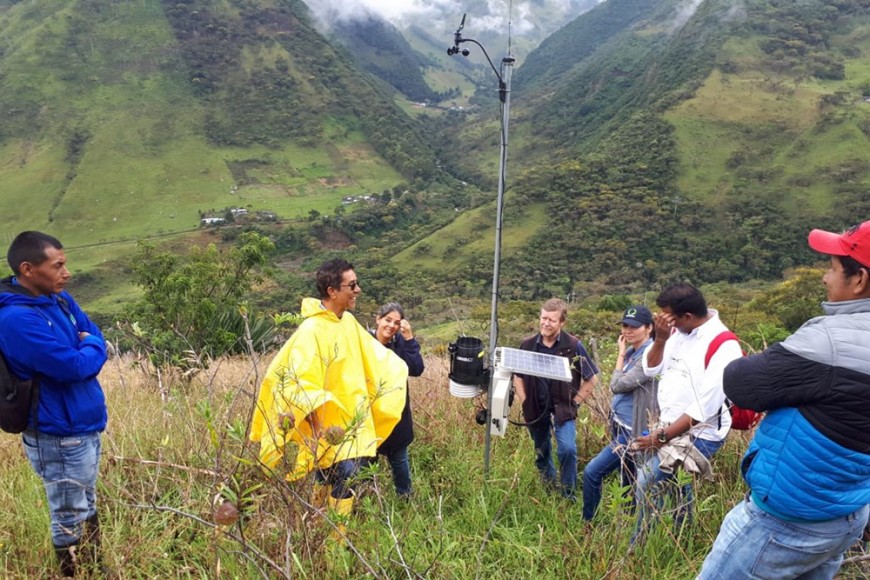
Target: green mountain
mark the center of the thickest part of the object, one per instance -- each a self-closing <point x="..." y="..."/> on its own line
<point x="381" y="49"/>
<point x="659" y="139"/>
<point x="650" y="140"/>
<point x="124" y="119"/>
<point x="566" y="49"/>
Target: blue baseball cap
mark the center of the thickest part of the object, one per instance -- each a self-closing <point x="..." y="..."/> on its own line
<point x="637" y="316"/>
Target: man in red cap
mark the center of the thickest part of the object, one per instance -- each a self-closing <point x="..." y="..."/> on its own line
<point x="808" y="466"/>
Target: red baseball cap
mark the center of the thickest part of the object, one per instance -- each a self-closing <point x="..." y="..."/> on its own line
<point x="854" y="242"/>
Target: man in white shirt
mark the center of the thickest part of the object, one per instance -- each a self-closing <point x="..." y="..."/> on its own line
<point x="690" y="395"/>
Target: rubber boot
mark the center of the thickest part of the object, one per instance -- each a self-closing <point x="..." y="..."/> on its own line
<point x="67" y="556"/>
<point x="319" y="495"/>
<point x="342" y="508"/>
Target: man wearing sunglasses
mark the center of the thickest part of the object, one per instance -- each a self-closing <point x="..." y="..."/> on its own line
<point x="331" y="394"/>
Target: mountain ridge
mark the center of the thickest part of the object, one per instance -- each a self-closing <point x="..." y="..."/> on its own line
<point x="125" y="117"/>
<point x="645" y="173"/>
<point x="665" y="144"/>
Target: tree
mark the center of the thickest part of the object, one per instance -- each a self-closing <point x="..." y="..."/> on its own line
<point x="796" y="300"/>
<point x="192" y="309"/>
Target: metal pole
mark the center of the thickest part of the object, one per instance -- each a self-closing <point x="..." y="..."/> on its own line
<point x="505" y="98"/>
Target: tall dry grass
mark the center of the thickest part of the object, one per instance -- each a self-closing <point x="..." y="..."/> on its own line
<point x="175" y="449"/>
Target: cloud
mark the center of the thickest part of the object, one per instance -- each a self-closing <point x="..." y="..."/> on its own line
<point x="443" y="15"/>
<point x="684" y="13"/>
<point x="397" y="11"/>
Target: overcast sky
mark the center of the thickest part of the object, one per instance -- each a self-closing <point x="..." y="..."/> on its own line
<point x="394" y="10"/>
<point x="438" y="12"/>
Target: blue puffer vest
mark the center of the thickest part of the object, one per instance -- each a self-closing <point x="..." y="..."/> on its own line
<point x="810" y="458"/>
<point x="796" y="473"/>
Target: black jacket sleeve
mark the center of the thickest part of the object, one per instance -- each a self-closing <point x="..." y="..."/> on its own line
<point x="409" y="351"/>
<point x="776" y="378"/>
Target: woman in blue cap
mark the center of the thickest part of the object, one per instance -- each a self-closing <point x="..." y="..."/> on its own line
<point x="633" y="407"/>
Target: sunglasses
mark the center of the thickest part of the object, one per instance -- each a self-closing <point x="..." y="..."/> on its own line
<point x="353" y="285"/>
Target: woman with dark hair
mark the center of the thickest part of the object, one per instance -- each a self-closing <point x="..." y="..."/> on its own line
<point x="633" y="409"/>
<point x="394" y="332"/>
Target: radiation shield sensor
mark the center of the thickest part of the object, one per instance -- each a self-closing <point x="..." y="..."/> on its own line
<point x="467" y="375"/>
<point x="508" y="361"/>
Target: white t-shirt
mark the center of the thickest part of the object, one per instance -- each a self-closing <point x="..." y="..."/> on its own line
<point x="685" y="387"/>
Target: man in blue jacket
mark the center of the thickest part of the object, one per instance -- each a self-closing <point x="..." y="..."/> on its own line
<point x="808" y="466"/>
<point x="44" y="335"/>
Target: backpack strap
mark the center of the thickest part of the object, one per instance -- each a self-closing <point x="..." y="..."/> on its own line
<point x="35" y="380"/>
<point x="723" y="336"/>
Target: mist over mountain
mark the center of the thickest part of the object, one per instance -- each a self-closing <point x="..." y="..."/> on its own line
<point x="528" y="15"/>
<point x="488" y="21"/>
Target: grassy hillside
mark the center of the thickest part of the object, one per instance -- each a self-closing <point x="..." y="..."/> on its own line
<point x="381" y="49"/>
<point x="571" y="45"/>
<point x="122" y="121"/>
<point x="672" y="144"/>
<point x="661" y="143"/>
<point x="170" y="457"/>
<point x="473" y="232"/>
<point x="797" y="136"/>
<point x="176" y="449"/>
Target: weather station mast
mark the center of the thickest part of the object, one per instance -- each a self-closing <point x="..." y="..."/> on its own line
<point x="467" y="375"/>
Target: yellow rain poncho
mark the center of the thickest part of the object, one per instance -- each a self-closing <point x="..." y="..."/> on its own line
<point x="332" y="367"/>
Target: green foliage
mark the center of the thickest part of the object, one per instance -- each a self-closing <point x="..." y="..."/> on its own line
<point x="599" y="216"/>
<point x="578" y="40"/>
<point x="117" y="116"/>
<point x="646" y="61"/>
<point x="614" y="303"/>
<point x="764" y="335"/>
<point x="796" y="36"/>
<point x="382" y="50"/>
<point x="122" y="119"/>
<point x="239" y="63"/>
<point x="796" y="300"/>
<point x="655" y="166"/>
<point x="191" y="310"/>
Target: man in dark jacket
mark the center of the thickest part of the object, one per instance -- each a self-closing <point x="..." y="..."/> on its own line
<point x="808" y="466"/>
<point x="550" y="405"/>
<point x="44" y="335"/>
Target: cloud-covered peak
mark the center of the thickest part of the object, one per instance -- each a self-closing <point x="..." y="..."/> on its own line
<point x="443" y="16"/>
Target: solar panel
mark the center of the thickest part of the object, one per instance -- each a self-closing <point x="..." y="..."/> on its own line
<point x="536" y="364"/>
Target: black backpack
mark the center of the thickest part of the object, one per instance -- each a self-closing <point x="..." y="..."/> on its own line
<point x="18" y="399"/>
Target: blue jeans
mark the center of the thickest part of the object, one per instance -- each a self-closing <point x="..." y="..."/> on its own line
<point x="401" y="470"/>
<point x="566" y="451"/>
<point x="755" y="544"/>
<point x="68" y="468"/>
<point x="608" y="460"/>
<point x="339" y="475"/>
<point x="650" y="483"/>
